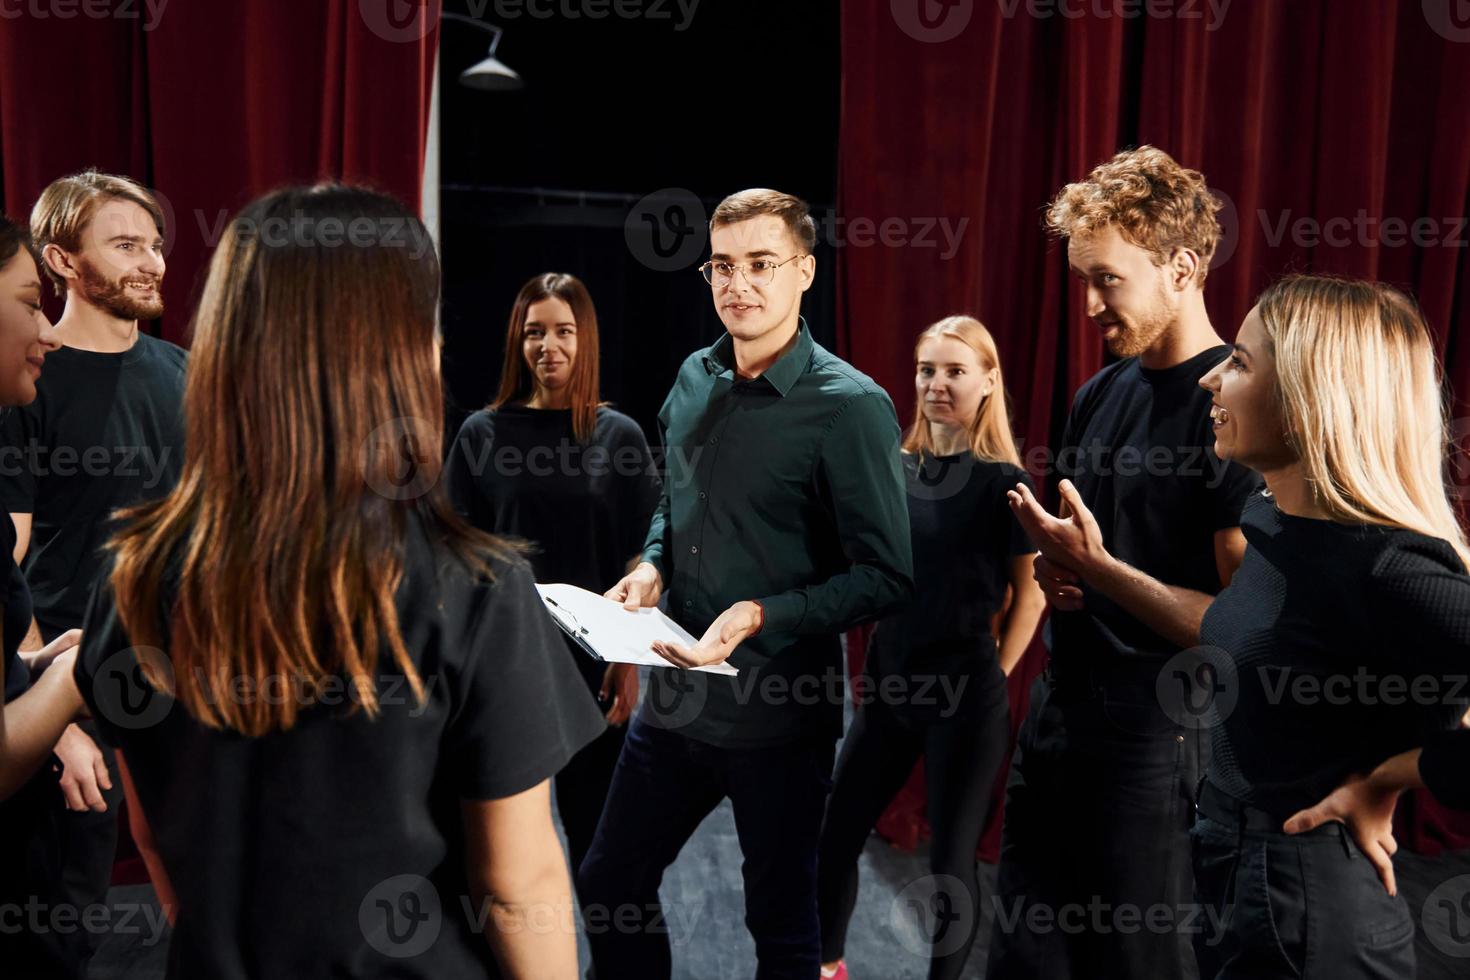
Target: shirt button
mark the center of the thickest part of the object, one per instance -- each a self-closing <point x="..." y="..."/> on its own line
<point x="694" y="549"/>
<point x="703" y="495"/>
<point x="688" y="603"/>
<point x="713" y="440"/>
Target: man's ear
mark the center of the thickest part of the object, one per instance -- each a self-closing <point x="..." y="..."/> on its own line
<point x="1183" y="268"/>
<point x="59" y="261"/>
<point x="808" y="264"/>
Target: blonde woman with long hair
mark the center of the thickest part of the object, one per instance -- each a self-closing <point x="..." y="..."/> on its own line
<point x="1336" y="643"/>
<point x="935" y="680"/>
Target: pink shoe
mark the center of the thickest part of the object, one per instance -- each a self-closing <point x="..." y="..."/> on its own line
<point x="839" y="974"/>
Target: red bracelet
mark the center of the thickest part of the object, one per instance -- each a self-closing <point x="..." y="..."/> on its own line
<point x="762" y="624"/>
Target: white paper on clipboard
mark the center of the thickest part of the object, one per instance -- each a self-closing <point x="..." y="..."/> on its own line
<point x="614" y="634"/>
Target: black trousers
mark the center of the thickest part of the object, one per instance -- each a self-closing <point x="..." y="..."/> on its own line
<point x="581" y="790"/>
<point x="961" y="759"/>
<point x="666" y="784"/>
<point x="1095" y="876"/>
<point x="57" y="865"/>
<point x="1300" y="906"/>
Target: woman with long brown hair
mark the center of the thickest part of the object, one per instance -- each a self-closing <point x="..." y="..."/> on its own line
<point x="549" y="463"/>
<point x="934" y="684"/>
<point x="337" y="703"/>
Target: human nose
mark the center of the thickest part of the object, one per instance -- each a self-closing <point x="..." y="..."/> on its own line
<point x="1211" y="381"/>
<point x="1095" y="305"/>
<point x="48" y="338"/>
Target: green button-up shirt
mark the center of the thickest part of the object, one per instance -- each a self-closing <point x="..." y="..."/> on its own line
<point x="787" y="489"/>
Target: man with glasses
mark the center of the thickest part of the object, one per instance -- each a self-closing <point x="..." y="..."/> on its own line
<point x="791" y="526"/>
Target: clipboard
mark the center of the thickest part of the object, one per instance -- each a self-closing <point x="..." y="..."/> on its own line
<point x="607" y="632"/>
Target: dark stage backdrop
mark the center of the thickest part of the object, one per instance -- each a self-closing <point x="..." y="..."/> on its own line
<point x="1337" y="131"/>
<point x="629" y="130"/>
<point x="211" y="104"/>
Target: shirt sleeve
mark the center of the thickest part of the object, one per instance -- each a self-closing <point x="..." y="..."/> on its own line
<point x="660" y="529"/>
<point x="642" y="492"/>
<point x="522" y="710"/>
<point x="1421" y="595"/>
<point x="19" y="431"/>
<point x="861" y="482"/>
<point x="1444" y="765"/>
<point x="468" y="456"/>
<point x="109" y="673"/>
<point x="1020" y="541"/>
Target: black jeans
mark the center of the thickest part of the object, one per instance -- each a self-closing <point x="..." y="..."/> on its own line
<point x="1301" y="906"/>
<point x="1095" y="878"/>
<point x="961" y="759"/>
<point x="664" y="786"/>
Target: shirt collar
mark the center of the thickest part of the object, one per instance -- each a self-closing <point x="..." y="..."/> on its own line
<point x="782" y="375"/>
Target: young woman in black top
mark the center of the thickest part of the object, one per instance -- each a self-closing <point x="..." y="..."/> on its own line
<point x="934" y="684"/>
<point x="550" y="464"/>
<point x="338" y="705"/>
<point x="25" y="337"/>
<point x="1337" y="643"/>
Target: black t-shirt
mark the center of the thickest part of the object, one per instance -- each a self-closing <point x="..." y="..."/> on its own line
<point x="521" y="472"/>
<point x="336" y="849"/>
<point x="105" y="431"/>
<point x="1342" y="645"/>
<point x="1139" y="447"/>
<point x="964" y="537"/>
<point x="17" y="599"/>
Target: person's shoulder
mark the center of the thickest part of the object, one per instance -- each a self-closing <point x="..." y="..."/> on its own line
<point x="1404" y="555"/>
<point x="480" y="422"/>
<point x="837" y="377"/>
<point x="164" y="349"/>
<point x="1103" y="380"/>
<point x="1003" y="470"/>
<point x="616" y="427"/>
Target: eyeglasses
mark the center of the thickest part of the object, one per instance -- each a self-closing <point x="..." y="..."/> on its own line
<point x="757" y="273"/>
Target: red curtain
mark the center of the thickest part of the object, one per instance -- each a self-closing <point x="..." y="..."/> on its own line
<point x="1338" y="131"/>
<point x="212" y="104"/>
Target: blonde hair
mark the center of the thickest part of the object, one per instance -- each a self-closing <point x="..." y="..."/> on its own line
<point x="67" y="205"/>
<point x="990" y="431"/>
<point x="753" y="203"/>
<point x="1154" y="202"/>
<point x="1362" y="402"/>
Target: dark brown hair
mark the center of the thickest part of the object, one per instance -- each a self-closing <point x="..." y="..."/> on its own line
<point x="313" y="378"/>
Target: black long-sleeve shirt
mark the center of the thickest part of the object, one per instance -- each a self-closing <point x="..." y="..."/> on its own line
<point x="786" y="489"/>
<point x="1343" y="645"/>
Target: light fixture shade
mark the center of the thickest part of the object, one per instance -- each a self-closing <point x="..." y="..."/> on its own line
<point x="490" y="75"/>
